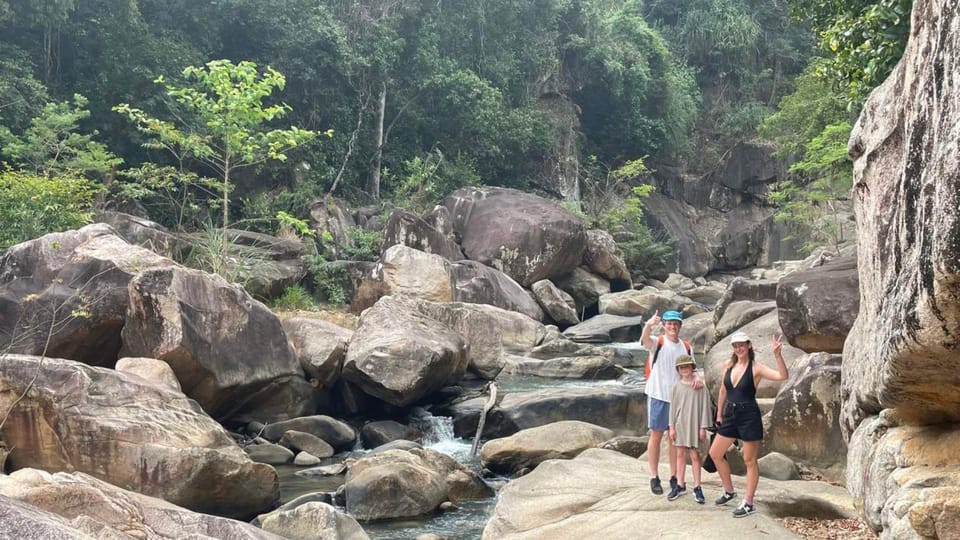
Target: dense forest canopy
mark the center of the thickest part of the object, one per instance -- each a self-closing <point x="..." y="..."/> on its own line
<point x="423" y="96"/>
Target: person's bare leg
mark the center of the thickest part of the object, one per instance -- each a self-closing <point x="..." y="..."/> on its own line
<point x="750" y="451"/>
<point x="672" y="454"/>
<point x="695" y="465"/>
<point x="653" y="452"/>
<point x="717" y="451"/>
<point x="680" y="467"/>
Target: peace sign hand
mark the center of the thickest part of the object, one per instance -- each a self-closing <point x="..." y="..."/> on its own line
<point x="777" y="342"/>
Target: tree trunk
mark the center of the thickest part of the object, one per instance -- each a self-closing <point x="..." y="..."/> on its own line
<point x="373" y="187"/>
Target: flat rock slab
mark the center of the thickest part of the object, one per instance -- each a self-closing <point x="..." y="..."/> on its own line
<point x="605" y="494"/>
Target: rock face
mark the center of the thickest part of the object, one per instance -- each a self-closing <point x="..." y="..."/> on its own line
<point x="531" y="447"/>
<point x="399" y="355"/>
<point x="409" y="230"/>
<point x="899" y="361"/>
<point x="108" y="511"/>
<point x="129" y="433"/>
<point x="904" y="478"/>
<point x="804" y="421"/>
<point x="817" y="307"/>
<point x="606" y="328"/>
<point x="903" y="345"/>
<point x="75" y="281"/>
<point x="524" y="236"/>
<point x="30" y="522"/>
<point x="228" y="350"/>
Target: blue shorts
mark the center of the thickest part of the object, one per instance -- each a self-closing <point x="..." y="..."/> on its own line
<point x="658" y="414"/>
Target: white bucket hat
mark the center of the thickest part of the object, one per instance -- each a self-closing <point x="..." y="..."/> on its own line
<point x="739" y="337"/>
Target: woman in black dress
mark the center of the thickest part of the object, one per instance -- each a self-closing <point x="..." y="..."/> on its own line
<point x="738" y="415"/>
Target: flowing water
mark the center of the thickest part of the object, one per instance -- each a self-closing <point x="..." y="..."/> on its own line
<point x="465" y="523"/>
<point x="468" y="520"/>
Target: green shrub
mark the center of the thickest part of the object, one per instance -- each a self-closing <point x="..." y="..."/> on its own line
<point x="328" y="279"/>
<point x="296" y="297"/>
<point x="31" y="205"/>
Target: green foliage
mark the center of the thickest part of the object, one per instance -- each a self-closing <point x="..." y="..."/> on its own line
<point x="362" y="245"/>
<point x="172" y="197"/>
<point x="804" y="114"/>
<point x="225" y="123"/>
<point x="296" y="298"/>
<point x="862" y="41"/>
<point x="811" y="203"/>
<point x="51" y="144"/>
<point x="327" y="278"/>
<point x="32" y="205"/>
<point x="429" y="179"/>
<point x="611" y="203"/>
<point x="21" y="94"/>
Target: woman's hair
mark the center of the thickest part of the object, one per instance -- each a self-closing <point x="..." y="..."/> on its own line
<point x="733" y="358"/>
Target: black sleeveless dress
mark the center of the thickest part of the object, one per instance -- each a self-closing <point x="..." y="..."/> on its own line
<point x="741" y="414"/>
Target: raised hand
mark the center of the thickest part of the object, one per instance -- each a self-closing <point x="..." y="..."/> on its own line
<point x="777" y="342"/>
<point x="655" y="320"/>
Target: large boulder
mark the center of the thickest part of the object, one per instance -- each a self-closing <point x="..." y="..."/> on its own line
<point x="128" y="432"/>
<point x="604" y="259"/>
<point x="742" y="289"/>
<point x="405" y="271"/>
<point x="65" y="294"/>
<point x="229" y="351"/>
<point x="817" y="307"/>
<point x="334" y="224"/>
<point x="336" y="433"/>
<point x="319" y="346"/>
<point x="400" y="483"/>
<point x="739" y="314"/>
<point x="620" y="408"/>
<point x="311" y="521"/>
<point x="142" y="232"/>
<point x="489" y="331"/>
<point x="606" y="328"/>
<point x="574" y="367"/>
<point x="525" y="236"/>
<point x="559" y="305"/>
<point x="901" y="352"/>
<point x="528" y="448"/>
<point x="400" y="355"/>
<point x="409" y="230"/>
<point x="804" y="421"/>
<point x="108" y="511"/>
<point x="640" y="302"/>
<point x="479" y="284"/>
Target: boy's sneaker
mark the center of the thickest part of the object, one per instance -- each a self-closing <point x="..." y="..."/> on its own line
<point x="673" y="483"/>
<point x="698" y="495"/>
<point x="744" y="510"/>
<point x="725" y="498"/>
<point x="655" y="486"/>
<point x="676" y="492"/>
